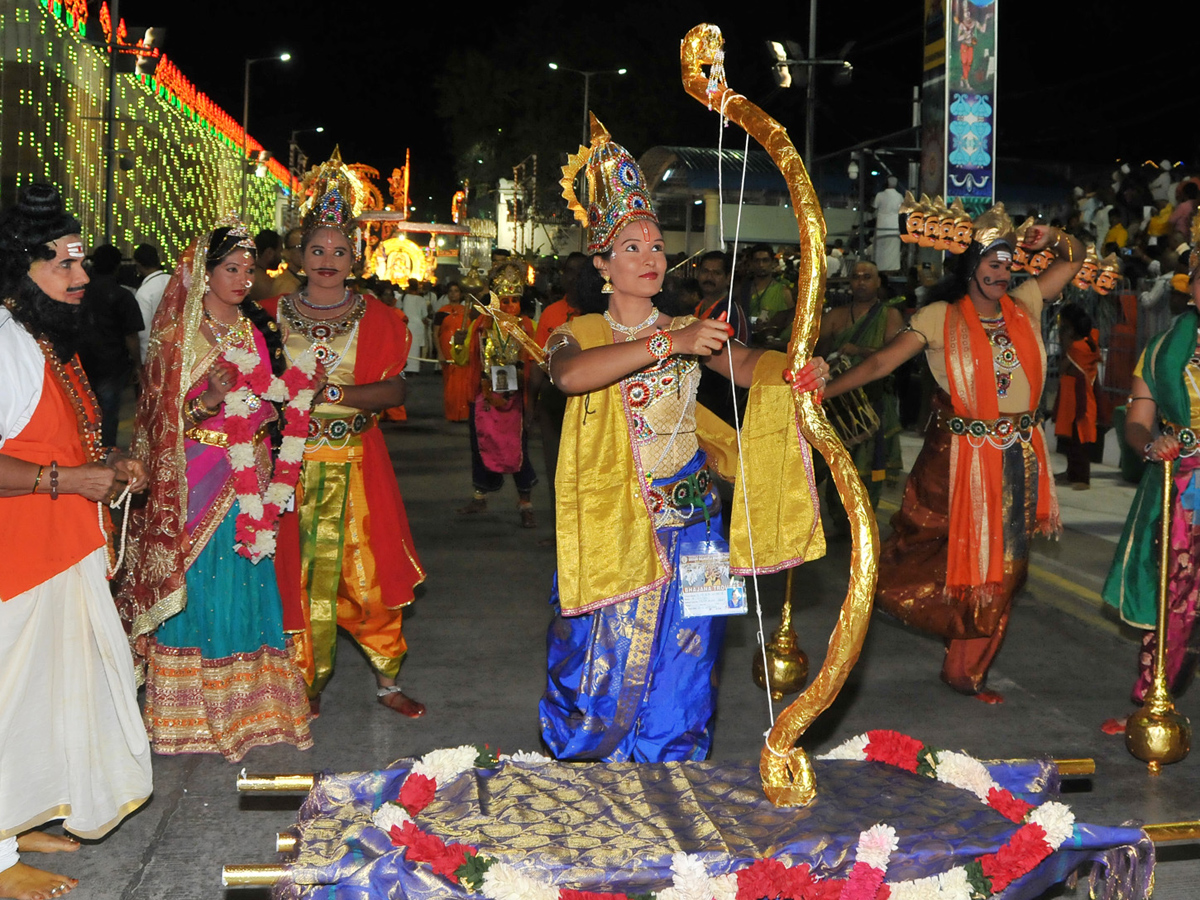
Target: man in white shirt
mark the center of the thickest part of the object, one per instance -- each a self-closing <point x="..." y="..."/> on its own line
<point x="149" y="294"/>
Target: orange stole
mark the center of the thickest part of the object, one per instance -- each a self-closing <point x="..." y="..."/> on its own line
<point x="976" y="548"/>
<point x="43" y="537"/>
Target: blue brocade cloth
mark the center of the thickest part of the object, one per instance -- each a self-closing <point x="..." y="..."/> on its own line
<point x="635" y="680"/>
<point x="612" y="827"/>
<point x="233" y="604"/>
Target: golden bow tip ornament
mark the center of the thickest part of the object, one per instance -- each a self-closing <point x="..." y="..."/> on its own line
<point x="786" y="772"/>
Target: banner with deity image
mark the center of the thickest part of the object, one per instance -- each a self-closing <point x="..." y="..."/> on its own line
<point x="971" y="103"/>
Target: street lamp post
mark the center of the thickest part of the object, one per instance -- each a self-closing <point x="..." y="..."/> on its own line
<point x="587" y="87"/>
<point x="282" y="57"/>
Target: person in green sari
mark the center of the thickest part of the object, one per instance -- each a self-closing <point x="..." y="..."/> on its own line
<point x="855" y="331"/>
<point x="1163" y="411"/>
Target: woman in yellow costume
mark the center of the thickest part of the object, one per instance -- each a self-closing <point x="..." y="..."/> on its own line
<point x="631" y="677"/>
<point x="981" y="486"/>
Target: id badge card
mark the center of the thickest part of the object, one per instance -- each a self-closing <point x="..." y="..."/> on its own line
<point x="504" y="379"/>
<point x="705" y="586"/>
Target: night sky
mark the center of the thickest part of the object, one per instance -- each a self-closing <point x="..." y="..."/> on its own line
<point x="1085" y="82"/>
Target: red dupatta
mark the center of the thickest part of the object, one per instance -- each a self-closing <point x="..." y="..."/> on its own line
<point x="975" y="555"/>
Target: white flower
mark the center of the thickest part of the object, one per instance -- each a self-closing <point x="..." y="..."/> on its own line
<point x="724" y="887"/>
<point x="964" y="772"/>
<point x="855" y="748"/>
<point x="236" y="403"/>
<point x="241" y="456"/>
<point x="304" y="399"/>
<point x="1056" y="820"/>
<point x="503" y="882"/>
<point x="278" y="494"/>
<point x="876" y="846"/>
<point x="691" y="881"/>
<point x="307" y="363"/>
<point x="952" y="885"/>
<point x="390" y="814"/>
<point x="291" y="450"/>
<point x="264" y="544"/>
<point x="276" y="391"/>
<point x="246" y="361"/>
<point x="250" y="505"/>
<point x="526" y="757"/>
<point x="443" y="766"/>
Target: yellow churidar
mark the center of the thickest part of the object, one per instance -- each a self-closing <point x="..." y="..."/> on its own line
<point x="338" y="579"/>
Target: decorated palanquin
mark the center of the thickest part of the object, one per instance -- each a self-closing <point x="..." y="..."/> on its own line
<point x="894" y="819"/>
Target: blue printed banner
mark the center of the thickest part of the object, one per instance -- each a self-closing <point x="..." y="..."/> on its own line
<point x="971" y="103"/>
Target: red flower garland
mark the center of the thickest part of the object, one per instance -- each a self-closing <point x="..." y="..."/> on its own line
<point x="287" y="471"/>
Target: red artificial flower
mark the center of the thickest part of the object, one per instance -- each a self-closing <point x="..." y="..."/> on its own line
<point x="1024" y="850"/>
<point x="568" y="894"/>
<point x="863" y="883"/>
<point x="884" y="892"/>
<point x="422" y="846"/>
<point x="761" y="879"/>
<point x="448" y="862"/>
<point x="797" y="882"/>
<point x="894" y="748"/>
<point x="417" y="792"/>
<point x="1012" y="808"/>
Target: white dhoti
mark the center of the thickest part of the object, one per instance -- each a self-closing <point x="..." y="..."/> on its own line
<point x="72" y="743"/>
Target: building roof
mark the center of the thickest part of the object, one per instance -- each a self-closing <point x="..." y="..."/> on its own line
<point x="689" y="170"/>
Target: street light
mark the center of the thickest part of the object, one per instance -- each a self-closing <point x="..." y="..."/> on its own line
<point x="282" y="57"/>
<point x="587" y="84"/>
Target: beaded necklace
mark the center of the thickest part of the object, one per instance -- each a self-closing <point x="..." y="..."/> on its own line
<point x="1004" y="353"/>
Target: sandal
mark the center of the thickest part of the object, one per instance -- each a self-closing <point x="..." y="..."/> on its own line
<point x="477" y="505"/>
<point x="527" y="519"/>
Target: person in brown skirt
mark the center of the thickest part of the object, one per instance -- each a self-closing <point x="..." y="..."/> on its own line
<point x="981" y="486"/>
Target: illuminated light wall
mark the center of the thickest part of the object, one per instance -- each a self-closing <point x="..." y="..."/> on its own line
<point x="184" y="173"/>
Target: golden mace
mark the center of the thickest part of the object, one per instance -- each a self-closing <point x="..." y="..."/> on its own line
<point x="1156" y="733"/>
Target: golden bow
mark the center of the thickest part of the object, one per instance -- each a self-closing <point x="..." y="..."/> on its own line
<point x="786" y="771"/>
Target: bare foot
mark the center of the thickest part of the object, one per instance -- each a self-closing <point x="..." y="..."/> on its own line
<point x="44" y="842"/>
<point x="22" y="882"/>
<point x="991" y="698"/>
<point x="403" y="704"/>
<point x="1114" y="726"/>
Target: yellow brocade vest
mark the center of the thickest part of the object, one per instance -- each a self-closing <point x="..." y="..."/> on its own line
<point x="608" y="550"/>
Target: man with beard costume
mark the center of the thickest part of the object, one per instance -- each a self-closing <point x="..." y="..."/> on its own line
<point x="73" y="744"/>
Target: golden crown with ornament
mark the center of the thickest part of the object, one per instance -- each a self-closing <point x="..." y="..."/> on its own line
<point x="616" y="189"/>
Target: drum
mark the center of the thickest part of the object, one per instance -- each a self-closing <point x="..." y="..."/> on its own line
<point x="851" y="413"/>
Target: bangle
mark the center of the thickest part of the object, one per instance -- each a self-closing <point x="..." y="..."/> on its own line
<point x="54" y="479"/>
<point x="1070" y="249"/>
<point x="333" y="393"/>
<point x="659" y="345"/>
<point x="38" y="480"/>
<point x="1146" y="450"/>
<point x="199" y="412"/>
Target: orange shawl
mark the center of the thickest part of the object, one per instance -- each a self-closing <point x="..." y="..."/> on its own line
<point x="976" y="548"/>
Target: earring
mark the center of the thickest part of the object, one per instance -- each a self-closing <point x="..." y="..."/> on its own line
<point x="608" y="288"/>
